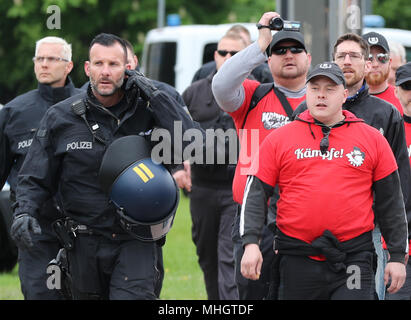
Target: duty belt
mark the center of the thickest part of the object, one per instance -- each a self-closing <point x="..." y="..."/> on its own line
<point x="75" y="228"/>
<point x="67" y="229"/>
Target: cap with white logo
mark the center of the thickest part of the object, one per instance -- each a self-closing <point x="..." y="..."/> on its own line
<point x="328" y="69"/>
<point x="376" y="39"/>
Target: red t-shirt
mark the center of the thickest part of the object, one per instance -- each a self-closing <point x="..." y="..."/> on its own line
<point x="331" y="191"/>
<point x="389" y="96"/>
<point x="269" y="114"/>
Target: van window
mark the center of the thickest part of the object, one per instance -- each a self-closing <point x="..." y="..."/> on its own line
<point x="161" y="59"/>
<point x="208" y="54"/>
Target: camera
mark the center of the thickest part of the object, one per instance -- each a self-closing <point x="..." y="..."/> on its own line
<point x="280" y="24"/>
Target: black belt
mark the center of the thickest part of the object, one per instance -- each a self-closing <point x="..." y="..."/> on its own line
<point x="327" y="245"/>
<point x="75" y="228"/>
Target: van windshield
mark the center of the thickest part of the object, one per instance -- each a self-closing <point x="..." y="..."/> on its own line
<point x="161" y="59"/>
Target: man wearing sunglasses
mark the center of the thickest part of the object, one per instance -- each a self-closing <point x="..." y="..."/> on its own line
<point x="289" y="62"/>
<point x="212" y="220"/>
<point x="19" y="120"/>
<point x="403" y="92"/>
<point x="377" y="75"/>
<point x="261" y="73"/>
<point x="350" y="54"/>
<point x="324" y="239"/>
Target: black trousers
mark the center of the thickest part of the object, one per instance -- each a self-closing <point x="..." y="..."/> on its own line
<point x="117" y="270"/>
<point x="212" y="212"/>
<point x="302" y="278"/>
<point x="254" y="289"/>
<point x="33" y="268"/>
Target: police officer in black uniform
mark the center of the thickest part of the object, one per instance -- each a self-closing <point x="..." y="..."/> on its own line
<point x="106" y="261"/>
<point x="19" y="120"/>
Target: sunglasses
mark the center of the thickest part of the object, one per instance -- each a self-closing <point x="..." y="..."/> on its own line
<point x="324" y="143"/>
<point x="406" y="86"/>
<point x="279" y="51"/>
<point x="380" y="57"/>
<point x="223" y="53"/>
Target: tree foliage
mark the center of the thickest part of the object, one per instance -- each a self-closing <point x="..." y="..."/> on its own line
<point x="397" y="13"/>
<point x="22" y="22"/>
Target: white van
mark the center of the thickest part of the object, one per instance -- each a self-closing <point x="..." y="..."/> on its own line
<point x="174" y="54"/>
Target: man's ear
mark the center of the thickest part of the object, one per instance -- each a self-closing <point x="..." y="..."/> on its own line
<point x="69" y="67"/>
<point x="87" y="68"/>
<point x="396" y="92"/>
<point x="345" y="95"/>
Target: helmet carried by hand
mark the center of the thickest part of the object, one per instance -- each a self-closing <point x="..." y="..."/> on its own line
<point x="144" y="192"/>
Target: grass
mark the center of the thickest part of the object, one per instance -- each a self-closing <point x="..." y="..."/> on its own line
<point x="183" y="278"/>
<point x="10" y="286"/>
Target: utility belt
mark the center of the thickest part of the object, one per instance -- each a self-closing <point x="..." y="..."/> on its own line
<point x="67" y="229"/>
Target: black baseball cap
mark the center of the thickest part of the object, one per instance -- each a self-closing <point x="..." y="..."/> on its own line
<point x="287" y="35"/>
<point x="327" y="69"/>
<point x="403" y="74"/>
<point x="376" y="39"/>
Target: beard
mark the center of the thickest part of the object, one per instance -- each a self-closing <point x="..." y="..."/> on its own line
<point x="291" y="74"/>
<point x="375" y="79"/>
<point x="353" y="77"/>
<point x="106" y="92"/>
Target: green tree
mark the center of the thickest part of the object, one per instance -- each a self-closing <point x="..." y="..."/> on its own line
<point x="22" y="22"/>
<point x="397" y="13"/>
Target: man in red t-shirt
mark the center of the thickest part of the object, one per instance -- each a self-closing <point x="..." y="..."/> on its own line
<point x="403" y="93"/>
<point x="328" y="164"/>
<point x="289" y="63"/>
<point x="377" y="75"/>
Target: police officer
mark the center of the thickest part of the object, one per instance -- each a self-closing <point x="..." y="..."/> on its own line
<point x="19" y="120"/>
<point x="106" y="261"/>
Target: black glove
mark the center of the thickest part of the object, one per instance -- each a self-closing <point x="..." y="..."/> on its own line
<point x="137" y="80"/>
<point x="21" y="228"/>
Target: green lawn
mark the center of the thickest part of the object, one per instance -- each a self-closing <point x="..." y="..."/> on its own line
<point x="183" y="277"/>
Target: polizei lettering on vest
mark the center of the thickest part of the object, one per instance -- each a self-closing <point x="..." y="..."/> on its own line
<point x="24" y="144"/>
<point x="79" y="145"/>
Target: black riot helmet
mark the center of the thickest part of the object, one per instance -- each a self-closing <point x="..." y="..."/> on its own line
<point x="144" y="192"/>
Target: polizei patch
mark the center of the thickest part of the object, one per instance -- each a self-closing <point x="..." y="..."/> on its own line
<point x="79" y="145"/>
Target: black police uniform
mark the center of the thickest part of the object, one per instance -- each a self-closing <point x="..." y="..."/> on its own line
<point x="106" y="261"/>
<point x="19" y="120"/>
<point x="174" y="94"/>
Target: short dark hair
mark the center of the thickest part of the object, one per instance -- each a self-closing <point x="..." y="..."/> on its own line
<point x="128" y="45"/>
<point x="108" y="40"/>
<point x="365" y="48"/>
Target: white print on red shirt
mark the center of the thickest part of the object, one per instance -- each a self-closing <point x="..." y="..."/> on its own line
<point x="273" y="120"/>
<point x="355" y="157"/>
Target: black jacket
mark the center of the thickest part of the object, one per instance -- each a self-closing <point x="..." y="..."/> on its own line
<point x="65" y="157"/>
<point x="204" y="109"/>
<point x="19" y="120"/>
<point x="386" y="118"/>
